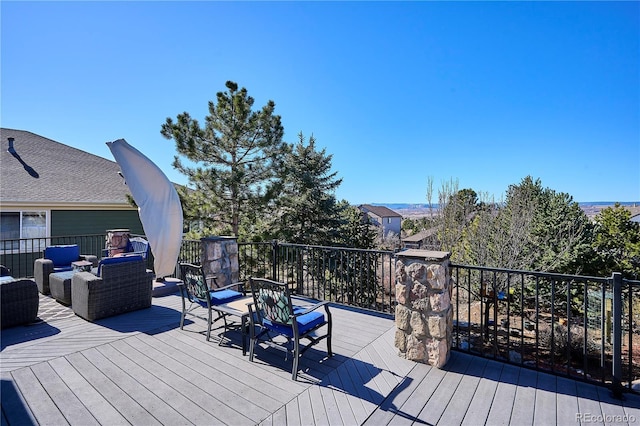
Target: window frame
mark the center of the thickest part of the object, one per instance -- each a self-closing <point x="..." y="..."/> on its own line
<point x="40" y="242"/>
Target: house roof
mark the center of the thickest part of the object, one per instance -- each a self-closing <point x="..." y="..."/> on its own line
<point x="419" y="236"/>
<point x="43" y="172"/>
<point x="380" y="211"/>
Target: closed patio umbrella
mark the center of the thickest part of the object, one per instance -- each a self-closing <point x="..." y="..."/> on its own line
<point x="158" y="205"/>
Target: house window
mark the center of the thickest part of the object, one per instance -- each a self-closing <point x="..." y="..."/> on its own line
<point x="23" y="231"/>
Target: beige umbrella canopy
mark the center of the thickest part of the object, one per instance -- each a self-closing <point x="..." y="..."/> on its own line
<point x="158" y="205"/>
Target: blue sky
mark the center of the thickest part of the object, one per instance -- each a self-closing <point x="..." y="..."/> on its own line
<point x="482" y="93"/>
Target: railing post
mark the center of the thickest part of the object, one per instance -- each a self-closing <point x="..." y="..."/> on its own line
<point x="274" y="260"/>
<point x="616" y="382"/>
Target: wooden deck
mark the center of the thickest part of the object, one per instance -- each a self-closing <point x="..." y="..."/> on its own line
<point x="141" y="369"/>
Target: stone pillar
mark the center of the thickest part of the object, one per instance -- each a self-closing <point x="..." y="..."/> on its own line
<point x="220" y="258"/>
<point x="424" y="315"/>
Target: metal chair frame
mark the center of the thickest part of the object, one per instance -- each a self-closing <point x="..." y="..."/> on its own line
<point x="273" y="311"/>
<point x="198" y="290"/>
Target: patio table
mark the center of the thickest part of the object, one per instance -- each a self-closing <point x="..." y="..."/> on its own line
<point x="238" y="308"/>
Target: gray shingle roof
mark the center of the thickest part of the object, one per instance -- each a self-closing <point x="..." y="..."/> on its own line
<point x="380" y="211"/>
<point x="60" y="173"/>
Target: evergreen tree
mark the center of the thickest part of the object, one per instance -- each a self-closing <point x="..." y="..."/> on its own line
<point x="306" y="209"/>
<point x="617" y="242"/>
<point x="355" y="231"/>
<point x="230" y="159"/>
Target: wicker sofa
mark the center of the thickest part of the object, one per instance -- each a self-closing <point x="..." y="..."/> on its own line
<point x="19" y="302"/>
<point x="57" y="259"/>
<point x="119" y="285"/>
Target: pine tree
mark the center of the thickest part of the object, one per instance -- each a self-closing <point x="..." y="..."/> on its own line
<point x="230" y="159"/>
<point x="306" y="210"/>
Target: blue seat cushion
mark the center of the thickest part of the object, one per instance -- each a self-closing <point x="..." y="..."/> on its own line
<point x="224" y="296"/>
<point x="62" y="255"/>
<point x="306" y="322"/>
<point x="62" y="268"/>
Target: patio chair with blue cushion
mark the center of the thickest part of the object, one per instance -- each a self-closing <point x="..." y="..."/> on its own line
<point x="139" y="246"/>
<point x="203" y="292"/>
<point x="274" y="313"/>
<point x="58" y="258"/>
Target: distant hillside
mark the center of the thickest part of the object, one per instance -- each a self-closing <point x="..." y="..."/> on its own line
<point x="591" y="208"/>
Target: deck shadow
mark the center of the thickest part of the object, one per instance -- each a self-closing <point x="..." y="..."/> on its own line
<point x="14" y="409"/>
<point x="26" y="333"/>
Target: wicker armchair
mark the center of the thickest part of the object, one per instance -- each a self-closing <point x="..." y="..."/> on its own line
<point x="57" y="259"/>
<point x="19" y="302"/>
<point x="123" y="284"/>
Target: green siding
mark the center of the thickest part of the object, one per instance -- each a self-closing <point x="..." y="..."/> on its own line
<point x="89" y="222"/>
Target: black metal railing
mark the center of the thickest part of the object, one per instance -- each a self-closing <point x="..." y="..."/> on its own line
<point x="19" y="255"/>
<point x="576" y="326"/>
<point x="356" y="277"/>
<point x="566" y="324"/>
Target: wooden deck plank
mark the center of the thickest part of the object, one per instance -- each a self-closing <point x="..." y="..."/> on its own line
<point x="502" y="405"/>
<point x="391" y="406"/>
<point x="193" y="369"/>
<point x="293" y="413"/>
<point x="279" y="417"/>
<point x="14" y="406"/>
<point x="368" y="378"/>
<point x="318" y="408"/>
<point x="611" y="407"/>
<point x="362" y="392"/>
<point x="125" y="404"/>
<point x="421" y="396"/>
<point x="444" y="392"/>
<point x="631" y="404"/>
<point x="566" y="401"/>
<point x="588" y="401"/>
<point x="384" y="346"/>
<point x="167" y="394"/>
<point x="458" y="404"/>
<point x="524" y="400"/>
<point x="377" y="375"/>
<point x="545" y="409"/>
<point x="351" y="391"/>
<point x="482" y="400"/>
<point x="279" y="387"/>
<point x="43" y="408"/>
<point x="121" y="369"/>
<point x="333" y="384"/>
<point x="330" y="405"/>
<point x="99" y="407"/>
<point x="305" y="409"/>
<point x="204" y="392"/>
<point x="387" y="375"/>
<point x="147" y="399"/>
<point x="67" y="402"/>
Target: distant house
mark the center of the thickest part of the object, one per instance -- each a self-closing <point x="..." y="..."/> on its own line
<point x="385" y="219"/>
<point x="424" y="239"/>
<point x="51" y="189"/>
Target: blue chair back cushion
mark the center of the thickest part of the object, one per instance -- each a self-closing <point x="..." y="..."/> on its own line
<point x="114" y="260"/>
<point x="62" y="256"/>
<point x="306" y="322"/>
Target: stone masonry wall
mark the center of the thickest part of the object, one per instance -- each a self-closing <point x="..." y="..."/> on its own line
<point x="220" y="258"/>
<point x="424" y="315"/>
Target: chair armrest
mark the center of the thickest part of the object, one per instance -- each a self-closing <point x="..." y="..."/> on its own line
<point x="237" y="284"/>
<point x="313" y="308"/>
<point x="41" y="269"/>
